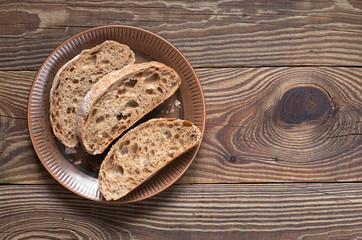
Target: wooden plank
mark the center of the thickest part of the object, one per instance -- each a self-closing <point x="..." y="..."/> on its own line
<point x="200" y="211"/>
<point x="239" y="33"/>
<point x="18" y="160"/>
<point x="281" y="124"/>
<point x="263" y="125"/>
<point x="14" y="93"/>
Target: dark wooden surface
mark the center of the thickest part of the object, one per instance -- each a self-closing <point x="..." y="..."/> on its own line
<point x="282" y="152"/>
<point x="197" y="211"/>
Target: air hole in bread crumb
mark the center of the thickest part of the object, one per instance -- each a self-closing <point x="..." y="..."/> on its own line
<point x="136" y="172"/>
<point x="167" y="134"/>
<point x="177" y="136"/>
<point x="69" y="110"/>
<point x="140" y="74"/>
<point x="187" y="124"/>
<point x="58" y="126"/>
<point x="164" y="80"/>
<point x="130" y="83"/>
<point x="149" y="91"/>
<point x="119" y="116"/>
<point x="193" y="136"/>
<point x="127" y="142"/>
<point x="171" y="155"/>
<point x="114" y="129"/>
<point x="94" y="112"/>
<point x="130" y="179"/>
<point x="105" y="61"/>
<point x="90" y="81"/>
<point x="124" y="150"/>
<point x="71" y="69"/>
<point x="100" y="119"/>
<point x="159" y="89"/>
<point x="109" y="163"/>
<point x="75" y="100"/>
<point x="153" y="78"/>
<point x="75" y="81"/>
<point x="121" y="91"/>
<point x="152" y="152"/>
<point x="118" y="170"/>
<point x="107" y="115"/>
<point x="132" y="104"/>
<point x="134" y="148"/>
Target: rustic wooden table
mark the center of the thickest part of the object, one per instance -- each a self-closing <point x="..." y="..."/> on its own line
<point x="282" y="153"/>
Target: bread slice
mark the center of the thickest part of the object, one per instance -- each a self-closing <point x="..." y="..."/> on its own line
<point x="120" y="99"/>
<point x="75" y="79"/>
<point x="142" y="152"/>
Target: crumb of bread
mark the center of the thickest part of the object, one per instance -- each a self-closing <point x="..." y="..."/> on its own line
<point x="78" y="162"/>
<point x="69" y="150"/>
<point x="177" y="103"/>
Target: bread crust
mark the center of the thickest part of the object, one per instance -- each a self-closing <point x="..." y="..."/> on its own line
<point x="101" y="87"/>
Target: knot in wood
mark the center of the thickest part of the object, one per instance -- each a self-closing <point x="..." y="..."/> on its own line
<point x="232" y="159"/>
<point x="303" y="104"/>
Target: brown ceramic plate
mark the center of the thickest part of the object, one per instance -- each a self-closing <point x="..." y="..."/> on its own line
<point x="78" y="171"/>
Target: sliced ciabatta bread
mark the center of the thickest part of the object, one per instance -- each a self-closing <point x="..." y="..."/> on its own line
<point x="120" y="99"/>
<point x="75" y="79"/>
<point x="142" y="152"/>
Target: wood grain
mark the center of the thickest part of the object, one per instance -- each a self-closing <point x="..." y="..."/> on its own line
<point x="253" y="134"/>
<point x="264" y="126"/>
<point x="18" y="161"/>
<point x="202" y="211"/>
<point x="14" y="93"/>
<point x="239" y="33"/>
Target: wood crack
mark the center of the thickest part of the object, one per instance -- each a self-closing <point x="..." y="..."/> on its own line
<point x="18" y="118"/>
<point x="346" y="135"/>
